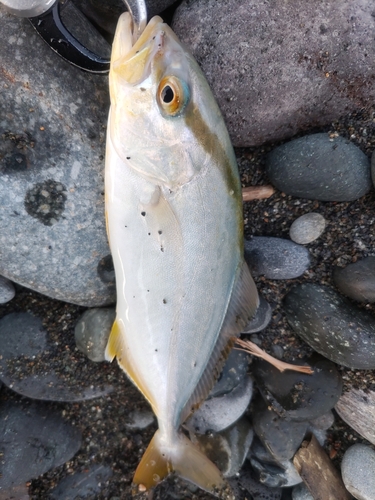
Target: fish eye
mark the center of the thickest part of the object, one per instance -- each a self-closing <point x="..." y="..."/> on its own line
<point x="172" y="96"/>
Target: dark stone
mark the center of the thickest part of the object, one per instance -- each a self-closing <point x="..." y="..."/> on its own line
<point x="46" y="201"/>
<point x="22" y="340"/>
<point x="83" y="485"/>
<point x="332" y="325"/>
<point x="273" y="71"/>
<point x="280" y="437"/>
<point x="258" y="491"/>
<point x="276" y="258"/>
<point x="106" y="270"/>
<point x="357" y="280"/>
<point x="299" y="396"/>
<point x="317" y="167"/>
<point x="233" y="373"/>
<point x="35" y="439"/>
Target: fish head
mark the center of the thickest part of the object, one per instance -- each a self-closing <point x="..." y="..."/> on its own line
<point x="163" y="119"/>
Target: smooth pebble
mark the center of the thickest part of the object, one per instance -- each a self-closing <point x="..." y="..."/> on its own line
<point x="357" y="280"/>
<point x="83" y="485"/>
<point x="261" y="319"/>
<point x="276" y="258"/>
<point x="92" y="332"/>
<point x="139" y="419"/>
<point x="233" y="373"/>
<point x="301" y="492"/>
<point x="358" y="471"/>
<point x="307" y="228"/>
<point x="7" y="290"/>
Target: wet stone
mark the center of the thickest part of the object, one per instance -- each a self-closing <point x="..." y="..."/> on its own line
<point x="227" y="449"/>
<point x="20" y="492"/>
<point x="307" y="228"/>
<point x="217" y="414"/>
<point x="299" y="396"/>
<point x="357" y="280"/>
<point x="279" y="436"/>
<point x="233" y="373"/>
<point x="332" y="325"/>
<point x="249" y="481"/>
<point x="318" y="167"/>
<point x="261" y="319"/>
<point x="37" y="440"/>
<point x="52" y="224"/>
<point x="301" y="492"/>
<point x="92" y="332"/>
<point x="7" y="290"/>
<point x="26" y="364"/>
<point x="82" y="485"/>
<point x="276" y="258"/>
<point x="358" y="471"/>
<point x="357" y="409"/>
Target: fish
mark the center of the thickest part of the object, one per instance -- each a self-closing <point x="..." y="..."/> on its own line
<point x="175" y="228"/>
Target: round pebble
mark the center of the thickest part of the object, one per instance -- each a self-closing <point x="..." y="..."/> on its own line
<point x="357" y="280"/>
<point x="261" y="319"/>
<point x="276" y="258"/>
<point x="320" y="167"/>
<point x="307" y="228"/>
<point x="233" y="373"/>
<point x="139" y="419"/>
<point x="7" y="290"/>
<point x="332" y="325"/>
<point x="82" y="485"/>
<point x="358" y="471"/>
<point x="301" y="492"/>
<point x="92" y="332"/>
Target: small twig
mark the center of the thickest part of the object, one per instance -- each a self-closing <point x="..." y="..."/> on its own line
<point x="250" y="347"/>
<point x="257" y="192"/>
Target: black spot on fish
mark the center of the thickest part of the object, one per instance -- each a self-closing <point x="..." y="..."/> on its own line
<point x="128" y="157"/>
<point x="164" y="301"/>
<point x="142" y="89"/>
<point x="160" y="232"/>
<point x="143" y="214"/>
<point x="45" y="201"/>
<point x="162" y="248"/>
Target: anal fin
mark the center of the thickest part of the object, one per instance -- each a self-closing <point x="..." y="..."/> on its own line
<point x="117" y="348"/>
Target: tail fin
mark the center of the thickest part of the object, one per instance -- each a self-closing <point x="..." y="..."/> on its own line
<point x="184" y="458"/>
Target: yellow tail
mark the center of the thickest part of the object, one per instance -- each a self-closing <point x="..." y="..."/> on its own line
<point x="184" y="459"/>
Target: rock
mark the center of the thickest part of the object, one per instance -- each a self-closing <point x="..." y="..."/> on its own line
<point x="228" y="449"/>
<point x="318" y="167"/>
<point x="233" y="373"/>
<point x="271" y="472"/>
<point x="332" y="325"/>
<point x="358" y="471"/>
<point x="54" y="376"/>
<point x="52" y="225"/>
<point x="320" y="425"/>
<point x="92" y="332"/>
<point x="357" y="280"/>
<point x="37" y="440"/>
<point x="20" y="492"/>
<point x="299" y="396"/>
<point x="217" y="414"/>
<point x="83" y="485"/>
<point x="307" y="228"/>
<point x="276" y="258"/>
<point x="357" y="409"/>
<point x="301" y="492"/>
<point x="7" y="290"/>
<point x="275" y="476"/>
<point x="276" y="71"/>
<point x="139" y="419"/>
<point x="261" y="319"/>
<point x="258" y="491"/>
<point x="279" y="436"/>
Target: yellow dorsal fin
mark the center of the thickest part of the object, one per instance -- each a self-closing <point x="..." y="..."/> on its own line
<point x="117" y="348"/>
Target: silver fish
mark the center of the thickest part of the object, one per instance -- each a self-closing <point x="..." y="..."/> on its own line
<point x="175" y="227"/>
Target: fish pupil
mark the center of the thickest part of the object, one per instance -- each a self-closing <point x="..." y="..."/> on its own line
<point x="167" y="94"/>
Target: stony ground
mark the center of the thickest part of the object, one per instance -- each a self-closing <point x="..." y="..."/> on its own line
<point x="106" y="439"/>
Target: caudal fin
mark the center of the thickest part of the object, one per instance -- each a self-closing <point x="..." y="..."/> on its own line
<point x="183" y="458"/>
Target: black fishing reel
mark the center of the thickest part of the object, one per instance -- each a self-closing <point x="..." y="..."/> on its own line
<point x="46" y="16"/>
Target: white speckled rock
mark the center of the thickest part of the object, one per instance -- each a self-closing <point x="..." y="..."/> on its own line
<point x="52" y="129"/>
<point x="307" y="228"/>
<point x="7" y="290"/>
<point x="358" y="471"/>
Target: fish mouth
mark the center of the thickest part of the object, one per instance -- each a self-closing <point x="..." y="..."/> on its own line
<point x="132" y="61"/>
